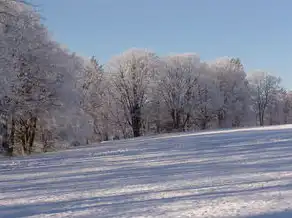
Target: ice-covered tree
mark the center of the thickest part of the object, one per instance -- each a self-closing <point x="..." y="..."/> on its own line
<point x="207" y="100"/>
<point x="287" y="106"/>
<point x="96" y="100"/>
<point x="232" y="85"/>
<point x="178" y="85"/>
<point x="131" y="74"/>
<point x="36" y="74"/>
<point x="264" y="88"/>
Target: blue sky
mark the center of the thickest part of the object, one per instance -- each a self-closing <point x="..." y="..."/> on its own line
<point x="257" y="31"/>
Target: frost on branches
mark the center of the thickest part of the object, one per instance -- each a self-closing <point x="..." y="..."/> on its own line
<point x="51" y="97"/>
<point x="265" y="93"/>
<point x="34" y="76"/>
<point x="231" y="86"/>
<point x="132" y="73"/>
<point x="178" y="86"/>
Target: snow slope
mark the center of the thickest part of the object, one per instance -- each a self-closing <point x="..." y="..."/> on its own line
<point x="233" y="173"/>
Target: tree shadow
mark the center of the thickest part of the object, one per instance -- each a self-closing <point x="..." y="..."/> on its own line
<point x="282" y="214"/>
<point x="160" y="167"/>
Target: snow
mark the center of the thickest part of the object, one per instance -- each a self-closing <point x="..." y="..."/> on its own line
<point x="231" y="173"/>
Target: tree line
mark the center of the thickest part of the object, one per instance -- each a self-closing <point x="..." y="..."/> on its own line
<point x="52" y="97"/>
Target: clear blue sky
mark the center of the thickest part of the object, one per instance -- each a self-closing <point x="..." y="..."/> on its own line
<point x="259" y="32"/>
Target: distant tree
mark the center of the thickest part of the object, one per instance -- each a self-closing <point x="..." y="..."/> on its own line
<point x="178" y="85"/>
<point x="95" y="98"/>
<point x="231" y="82"/>
<point x="264" y="88"/>
<point x="287" y="106"/>
<point x="131" y="77"/>
<point x="204" y="111"/>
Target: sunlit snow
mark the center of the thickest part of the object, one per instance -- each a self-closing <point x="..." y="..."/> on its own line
<point x="232" y="173"/>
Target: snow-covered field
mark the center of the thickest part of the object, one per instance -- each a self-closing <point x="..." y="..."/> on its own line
<point x="233" y="173"/>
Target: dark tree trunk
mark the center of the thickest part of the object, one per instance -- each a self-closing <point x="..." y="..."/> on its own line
<point x="4" y="128"/>
<point x="158" y="126"/>
<point x="136" y="120"/>
<point x="203" y="125"/>
<point x="23" y="142"/>
<point x="185" y="122"/>
<point x="32" y="133"/>
<point x="220" y="119"/>
<point x="5" y="135"/>
<point x="175" y="119"/>
<point x="261" y="117"/>
<point x="12" y="135"/>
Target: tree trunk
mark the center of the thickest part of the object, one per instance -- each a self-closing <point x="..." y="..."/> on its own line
<point x="220" y="117"/>
<point x="32" y="133"/>
<point x="286" y="119"/>
<point x="8" y="148"/>
<point x="4" y="132"/>
<point x="203" y="125"/>
<point x="23" y="143"/>
<point x="261" y="117"/>
<point x="136" y="120"/>
<point x="12" y="135"/>
<point x="136" y="125"/>
<point x="185" y="122"/>
<point x="158" y="126"/>
<point x="175" y="119"/>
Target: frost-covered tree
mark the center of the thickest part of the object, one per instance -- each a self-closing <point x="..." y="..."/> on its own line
<point x="178" y="85"/>
<point x="93" y="85"/>
<point x="232" y="85"/>
<point x="49" y="94"/>
<point x="131" y="76"/>
<point x="14" y="19"/>
<point x="278" y="111"/>
<point x="207" y="101"/>
<point x="36" y="74"/>
<point x="287" y="106"/>
<point x="264" y="88"/>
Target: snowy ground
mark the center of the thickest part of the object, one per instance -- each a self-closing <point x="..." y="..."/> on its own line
<point x="240" y="173"/>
